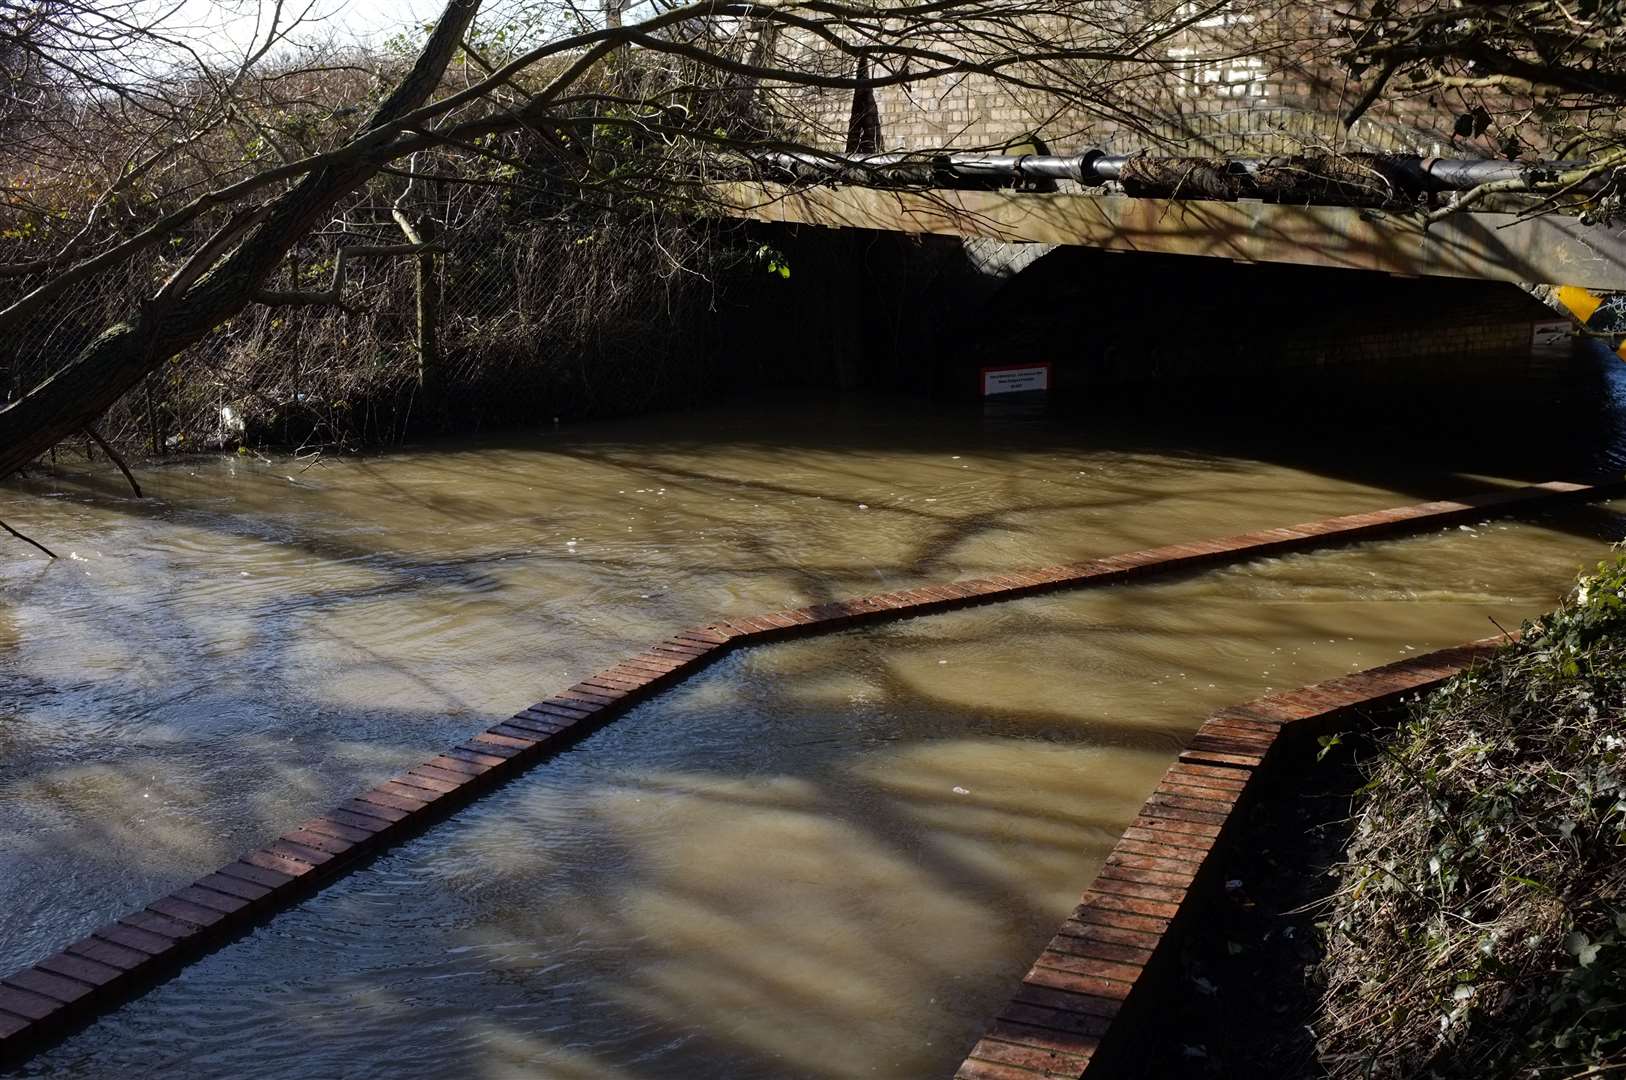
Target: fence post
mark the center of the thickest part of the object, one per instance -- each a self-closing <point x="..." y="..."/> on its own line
<point x="428" y="313"/>
<point x="423" y="231"/>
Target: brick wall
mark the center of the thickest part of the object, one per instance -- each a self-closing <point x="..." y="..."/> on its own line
<point x="1254" y="78"/>
<point x="1149" y="318"/>
<point x="885" y="311"/>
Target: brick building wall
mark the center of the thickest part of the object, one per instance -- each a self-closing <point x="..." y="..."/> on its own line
<point x="1256" y="77"/>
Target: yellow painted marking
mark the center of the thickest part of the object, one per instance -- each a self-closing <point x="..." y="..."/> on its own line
<point x="1583" y="304"/>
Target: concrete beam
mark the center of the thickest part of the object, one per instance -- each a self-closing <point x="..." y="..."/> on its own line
<point x="1488" y="246"/>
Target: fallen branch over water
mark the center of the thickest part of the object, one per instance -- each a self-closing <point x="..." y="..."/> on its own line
<point x="27" y="539"/>
<point x="114" y="454"/>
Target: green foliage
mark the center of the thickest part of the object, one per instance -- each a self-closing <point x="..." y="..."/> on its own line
<point x="1481" y="929"/>
<point x="1327" y="743"/>
<point x="773" y="261"/>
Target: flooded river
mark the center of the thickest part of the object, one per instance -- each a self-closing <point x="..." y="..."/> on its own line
<point x="825" y="858"/>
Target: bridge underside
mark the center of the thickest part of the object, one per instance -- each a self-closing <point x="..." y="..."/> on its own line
<point x="1550" y="249"/>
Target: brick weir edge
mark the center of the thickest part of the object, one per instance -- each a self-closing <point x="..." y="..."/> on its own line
<point x="1086" y="1003"/>
<point x="1061" y="1012"/>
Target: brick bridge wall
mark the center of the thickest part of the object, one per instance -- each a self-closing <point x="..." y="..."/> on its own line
<point x="1255" y="77"/>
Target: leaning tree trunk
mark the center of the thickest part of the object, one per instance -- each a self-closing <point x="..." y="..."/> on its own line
<point x="75" y="396"/>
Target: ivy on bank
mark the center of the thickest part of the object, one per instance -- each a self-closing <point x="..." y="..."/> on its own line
<point x="1480" y="927"/>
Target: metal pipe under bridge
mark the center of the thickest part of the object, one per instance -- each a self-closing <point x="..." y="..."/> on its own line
<point x="981" y="195"/>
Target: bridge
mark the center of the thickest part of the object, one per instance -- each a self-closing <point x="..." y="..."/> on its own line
<point x="1490" y="246"/>
<point x="1381" y="214"/>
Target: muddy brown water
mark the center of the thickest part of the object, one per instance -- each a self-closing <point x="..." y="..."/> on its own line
<point x="832" y="857"/>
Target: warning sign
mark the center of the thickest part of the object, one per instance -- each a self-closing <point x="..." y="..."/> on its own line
<point x="1552" y="339"/>
<point x="1016" y="379"/>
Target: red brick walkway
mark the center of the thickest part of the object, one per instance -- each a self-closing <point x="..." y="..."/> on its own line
<point x="114" y="963"/>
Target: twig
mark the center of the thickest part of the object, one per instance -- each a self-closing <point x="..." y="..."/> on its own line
<point x="27" y="539"/>
<point x="1561" y="184"/>
<point x="110" y="452"/>
<point x="1371" y="95"/>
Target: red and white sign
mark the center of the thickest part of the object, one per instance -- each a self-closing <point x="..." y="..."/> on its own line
<point x="1015" y="379"/>
<point x="1554" y="338"/>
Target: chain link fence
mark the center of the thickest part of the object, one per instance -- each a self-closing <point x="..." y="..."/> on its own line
<point x="575" y="312"/>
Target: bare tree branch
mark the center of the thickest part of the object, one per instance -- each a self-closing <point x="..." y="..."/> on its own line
<point x="116" y="459"/>
<point x="27" y="539"/>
